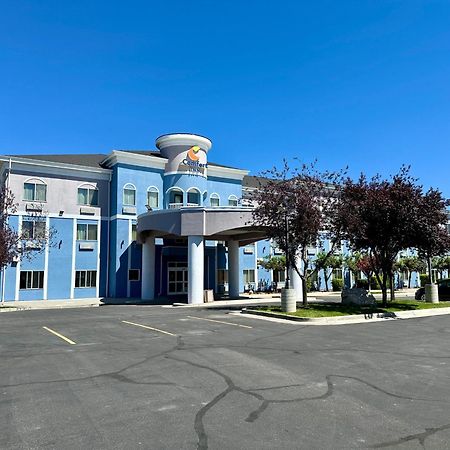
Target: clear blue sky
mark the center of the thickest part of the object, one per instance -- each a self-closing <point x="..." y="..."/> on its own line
<point x="363" y="83"/>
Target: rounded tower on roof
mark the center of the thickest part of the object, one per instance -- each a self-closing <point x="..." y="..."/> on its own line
<point x="186" y="171"/>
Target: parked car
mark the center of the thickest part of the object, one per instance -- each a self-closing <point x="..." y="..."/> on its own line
<point x="443" y="289"/>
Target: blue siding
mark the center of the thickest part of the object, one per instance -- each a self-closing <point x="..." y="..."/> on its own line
<point x="60" y="260"/>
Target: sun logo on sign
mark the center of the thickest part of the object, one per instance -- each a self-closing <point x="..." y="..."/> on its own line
<point x="192" y="153"/>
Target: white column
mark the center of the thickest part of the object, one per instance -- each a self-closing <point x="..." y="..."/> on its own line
<point x="196" y="256"/>
<point x="233" y="269"/>
<point x="296" y="281"/>
<point x="148" y="269"/>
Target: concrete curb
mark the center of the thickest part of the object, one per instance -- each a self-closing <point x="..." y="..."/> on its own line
<point x="48" y="305"/>
<point x="355" y="318"/>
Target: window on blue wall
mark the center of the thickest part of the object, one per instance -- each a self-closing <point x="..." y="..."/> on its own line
<point x="249" y="276"/>
<point x="85" y="278"/>
<point x="214" y="200"/>
<point x="86" y="232"/>
<point x="33" y="229"/>
<point x="88" y="196"/>
<point x="31" y="279"/>
<point x="153" y="198"/>
<point x="193" y="197"/>
<point x="35" y="191"/>
<point x="175" y="198"/>
<point x="129" y="195"/>
<point x="232" y="200"/>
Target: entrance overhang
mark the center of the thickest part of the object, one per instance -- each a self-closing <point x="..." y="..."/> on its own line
<point x="217" y="223"/>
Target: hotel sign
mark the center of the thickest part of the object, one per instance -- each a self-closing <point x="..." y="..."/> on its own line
<point x="192" y="161"/>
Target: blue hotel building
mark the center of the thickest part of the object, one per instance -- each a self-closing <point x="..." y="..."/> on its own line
<point x="146" y="225"/>
<point x="136" y="224"/>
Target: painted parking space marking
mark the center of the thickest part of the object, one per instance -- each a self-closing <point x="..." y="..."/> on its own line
<point x="148" y="328"/>
<point x="64" y="338"/>
<point x="220" y="321"/>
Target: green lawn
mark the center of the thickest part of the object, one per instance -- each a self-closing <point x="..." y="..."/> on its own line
<point x="336" y="309"/>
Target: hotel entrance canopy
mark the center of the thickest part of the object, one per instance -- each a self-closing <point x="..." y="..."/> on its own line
<point x="231" y="224"/>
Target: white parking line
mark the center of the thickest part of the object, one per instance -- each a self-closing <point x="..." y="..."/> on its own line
<point x="60" y="336"/>
<point x="220" y="321"/>
<point x="148" y="328"/>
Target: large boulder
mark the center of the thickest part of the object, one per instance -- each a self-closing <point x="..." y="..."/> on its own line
<point x="357" y="296"/>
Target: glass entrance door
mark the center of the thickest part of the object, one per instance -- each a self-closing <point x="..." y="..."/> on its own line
<point x="177" y="276"/>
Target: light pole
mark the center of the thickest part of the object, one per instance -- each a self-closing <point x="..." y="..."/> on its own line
<point x="286" y="237"/>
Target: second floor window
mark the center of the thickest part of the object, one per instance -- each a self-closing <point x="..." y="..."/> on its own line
<point x="153" y="198"/>
<point x="35" y="191"/>
<point x="86" y="232"/>
<point x="88" y="196"/>
<point x="214" y="200"/>
<point x="232" y="200"/>
<point x="129" y="195"/>
<point x="33" y="229"/>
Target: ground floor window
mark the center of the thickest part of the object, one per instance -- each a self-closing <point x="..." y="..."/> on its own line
<point x="177" y="278"/>
<point x="134" y="274"/>
<point x="249" y="276"/>
<point x="85" y="278"/>
<point x="31" y="279"/>
<point x="337" y="273"/>
<point x="279" y="276"/>
<point x="222" y="276"/>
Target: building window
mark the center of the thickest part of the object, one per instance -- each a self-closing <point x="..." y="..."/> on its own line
<point x="337" y="273"/>
<point x="35" y="191"/>
<point x="129" y="195"/>
<point x="85" y="278"/>
<point x="279" y="276"/>
<point x="33" y="229"/>
<point x="86" y="232"/>
<point x="133" y="232"/>
<point x="175" y="198"/>
<point x="249" y="276"/>
<point x="232" y="200"/>
<point x="214" y="200"/>
<point x="152" y="198"/>
<point x="222" y="276"/>
<point x="134" y="274"/>
<point x="88" y="196"/>
<point x="193" y="197"/>
<point x="32" y="279"/>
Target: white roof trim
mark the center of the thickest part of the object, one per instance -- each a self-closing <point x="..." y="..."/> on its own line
<point x="56" y="168"/>
<point x="226" y="172"/>
<point x="136" y="159"/>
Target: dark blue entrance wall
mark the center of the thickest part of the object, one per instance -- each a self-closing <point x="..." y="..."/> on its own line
<point x="136" y="263"/>
<point x="167" y="254"/>
<point x="210" y="268"/>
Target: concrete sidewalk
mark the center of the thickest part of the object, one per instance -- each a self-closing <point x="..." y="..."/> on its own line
<point x="50" y="304"/>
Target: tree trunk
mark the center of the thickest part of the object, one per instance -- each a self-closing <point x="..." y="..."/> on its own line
<point x="392" y="287"/>
<point x="305" y="291"/>
<point x="326" y="279"/>
<point x="409" y="279"/>
<point x="383" y="284"/>
<point x="430" y="270"/>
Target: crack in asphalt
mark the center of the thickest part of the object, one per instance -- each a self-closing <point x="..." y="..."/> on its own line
<point x="117" y="375"/>
<point x="199" y="426"/>
<point x="412" y="437"/>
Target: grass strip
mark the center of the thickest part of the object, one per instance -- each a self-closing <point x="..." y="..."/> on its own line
<point x="337" y="309"/>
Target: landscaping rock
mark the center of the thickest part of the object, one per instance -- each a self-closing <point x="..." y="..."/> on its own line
<point x="357" y="296"/>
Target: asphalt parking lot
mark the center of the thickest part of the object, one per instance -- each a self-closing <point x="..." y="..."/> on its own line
<point x="126" y="377"/>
